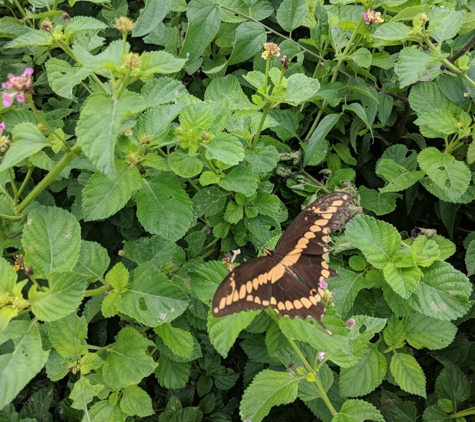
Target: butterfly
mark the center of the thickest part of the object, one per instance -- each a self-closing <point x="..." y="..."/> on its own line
<point x="289" y="278"/>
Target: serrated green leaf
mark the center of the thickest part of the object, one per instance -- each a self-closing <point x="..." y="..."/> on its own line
<point x="446" y="247"/>
<point x="369" y="371"/>
<point x="449" y="174"/>
<point x="128" y="361"/>
<point x="423" y="331"/>
<point x="83" y="392"/>
<point x="68" y="335"/>
<point x="268" y="389"/>
<point x="394" y="334"/>
<point x="262" y="160"/>
<point x="179" y="341"/>
<point x="402" y="280"/>
<point x="413" y="64"/>
<point x="164" y="208"/>
<point x="399" y="177"/>
<point x="100" y="124"/>
<point x="118" y="277"/>
<point x="379" y="202"/>
<point x="357" y="411"/>
<point x="233" y="212"/>
<point x="424" y="251"/>
<point x="290" y="14"/>
<point x="345" y="288"/>
<point x="240" y="179"/>
<point x="225" y="148"/>
<point x="150" y="16"/>
<point x="443" y="292"/>
<point x="106" y="410"/>
<point x="206" y="278"/>
<point x="151" y="298"/>
<point x="51" y="240"/>
<point x="440" y="193"/>
<point x="154" y="249"/>
<point x="184" y="165"/>
<point x="435" y="414"/>
<point x="93" y="261"/>
<point x="470" y="258"/>
<point x="345" y="154"/>
<point x="452" y="384"/>
<point x="408" y="374"/>
<point x="378" y="240"/>
<point x="436" y="123"/>
<point x="250" y="36"/>
<point x="64" y="294"/>
<point x="171" y="374"/>
<point x="444" y="24"/>
<point x="136" y="401"/>
<point x="209" y="201"/>
<point x="300" y="88"/>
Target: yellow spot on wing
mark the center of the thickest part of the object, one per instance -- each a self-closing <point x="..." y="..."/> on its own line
<point x="321" y="223"/>
<point x="249" y="286"/>
<point x="235" y="296"/>
<point x="255" y="283"/>
<point x="326" y="273"/>
<point x="280" y="306"/>
<point x="306" y="302"/>
<point x="277" y="272"/>
<point x="273" y="301"/>
<point x="288" y="305"/>
<point x="257" y="300"/>
<point x="315" y="228"/>
<point x="265" y="303"/>
<point x="242" y="292"/>
<point x="298" y="304"/>
<point x="250" y="298"/>
<point x="309" y="235"/>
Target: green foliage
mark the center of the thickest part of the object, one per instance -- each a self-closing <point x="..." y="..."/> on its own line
<point x="140" y="162"/>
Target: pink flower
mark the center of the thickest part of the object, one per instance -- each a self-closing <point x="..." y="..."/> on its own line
<point x="2" y="127"/>
<point x="19" y="87"/>
<point x="7" y="99"/>
<point x="371" y="16"/>
<point x="323" y="284"/>
<point x="321" y="356"/>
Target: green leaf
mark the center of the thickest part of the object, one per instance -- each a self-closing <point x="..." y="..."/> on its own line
<point x="179" y="341"/>
<point x="452" y="384"/>
<point x="103" y="197"/>
<point x="223" y="331"/>
<point x="319" y="31"/>
<point x="444" y="24"/>
<point x="118" y="277"/>
<point x="402" y="280"/>
<point x="184" y="165"/>
<point x="435" y="414"/>
<point x="436" y="123"/>
<point x="154" y="249"/>
<point x="290" y="14"/>
<point x="93" y="261"/>
<point x="362" y="57"/>
<point x="209" y="201"/>
<point x="318" y="138"/>
<point x="68" y="335"/>
<point x="449" y="174"/>
<point x="206" y="278"/>
<point x="357" y="411"/>
<point x="240" y="179"/>
<point x="209" y="178"/>
<point x="250" y="37"/>
<point x="150" y="16"/>
<point x="369" y="371"/>
<point x="399" y="177"/>
<point x="62" y="77"/>
<point x="162" y="91"/>
<point x="408" y="374"/>
<point x="413" y="65"/>
<point x="136" y="401"/>
<point x="392" y="32"/>
<point x="267" y="204"/>
<point x="423" y="331"/>
<point x="268" y="389"/>
<point x="23" y="359"/>
<point x="164" y="208"/>
<point x="470" y="258"/>
<point x="394" y="334"/>
<point x="358" y="109"/>
<point x="345" y="288"/>
<point x="225" y="148"/>
<point x="443" y="293"/>
<point x="424" y="251"/>
<point x="446" y="247"/>
<point x="106" y="410"/>
<point x="204" y="19"/>
<point x="171" y="374"/>
<point x="128" y="361"/>
<point x="300" y="88"/>
<point x="100" y="124"/>
<point x="159" y="62"/>
<point x="64" y="295"/>
<point x="233" y="213"/>
<point x="27" y="140"/>
<point x="51" y="240"/>
<point x="378" y="240"/>
<point x="151" y="298"/>
<point x="345" y="154"/>
<point x="83" y="392"/>
<point x="263" y="160"/>
<point x="398" y="409"/>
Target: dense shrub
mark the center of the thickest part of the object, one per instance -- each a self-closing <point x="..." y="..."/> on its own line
<point x="143" y="143"/>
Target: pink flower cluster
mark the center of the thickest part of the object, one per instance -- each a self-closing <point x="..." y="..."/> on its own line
<point x="372" y="16"/>
<point x="17" y="86"/>
<point x="323" y="284"/>
<point x="2" y="127"/>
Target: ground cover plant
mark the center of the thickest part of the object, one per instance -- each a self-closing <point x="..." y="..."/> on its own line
<point x="148" y="148"/>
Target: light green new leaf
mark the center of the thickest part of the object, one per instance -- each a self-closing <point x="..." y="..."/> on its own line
<point x="369" y="371"/>
<point x="103" y="197"/>
<point x="118" y="277"/>
<point x="171" y="374"/>
<point x="159" y="62"/>
<point x="268" y="389"/>
<point x="136" y="401"/>
<point x="223" y="331"/>
<point x="68" y="335"/>
<point x="424" y="251"/>
<point x="51" y="240"/>
<point x="446" y="247"/>
<point x="204" y="19"/>
<point x="225" y="148"/>
<point x="357" y="411"/>
<point x="179" y="341"/>
<point x="128" y="361"/>
<point x="452" y="384"/>
<point x="399" y="177"/>
<point x="64" y="295"/>
<point x="423" y="331"/>
<point x="197" y="115"/>
<point x="377" y="239"/>
<point x="105" y="410"/>
<point x="436" y="123"/>
<point x="240" y="179"/>
<point x="27" y="140"/>
<point x="100" y="124"/>
<point x="394" y="334"/>
<point x="164" y="208"/>
<point x="152" y="299"/>
<point x="402" y="280"/>
<point x="291" y="14"/>
<point x="184" y="165"/>
<point x="83" y="392"/>
<point x="470" y="258"/>
<point x="23" y="359"/>
<point x="93" y="261"/>
<point x="8" y="277"/>
<point x="408" y="374"/>
<point x="443" y="292"/>
<point x="300" y="88"/>
<point x="233" y="212"/>
<point x="318" y="138"/>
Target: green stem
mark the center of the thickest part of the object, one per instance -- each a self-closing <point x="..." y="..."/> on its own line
<point x="12" y="182"/>
<point x="10" y="217"/>
<point x="26" y="180"/>
<point x="18" y="6"/>
<point x="265" y="111"/>
<point x="195" y="186"/>
<point x="40" y="187"/>
<point x="97" y="292"/>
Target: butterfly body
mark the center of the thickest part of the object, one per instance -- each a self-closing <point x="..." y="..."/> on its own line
<point x="288" y="279"/>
